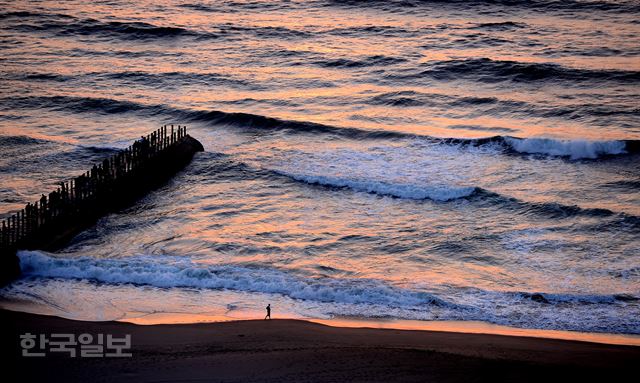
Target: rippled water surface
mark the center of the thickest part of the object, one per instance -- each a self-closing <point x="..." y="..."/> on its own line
<point x="458" y="160"/>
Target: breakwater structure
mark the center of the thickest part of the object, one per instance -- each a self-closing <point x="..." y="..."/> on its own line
<point x="115" y="183"/>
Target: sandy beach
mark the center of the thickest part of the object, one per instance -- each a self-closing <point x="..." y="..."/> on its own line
<point x="295" y="350"/>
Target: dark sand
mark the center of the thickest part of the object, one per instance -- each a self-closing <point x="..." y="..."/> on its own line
<point x="300" y="351"/>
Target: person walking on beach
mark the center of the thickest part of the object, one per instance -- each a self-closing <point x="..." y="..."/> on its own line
<point x="268" y="312"/>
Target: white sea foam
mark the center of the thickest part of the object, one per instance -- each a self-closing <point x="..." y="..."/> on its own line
<point x="322" y="296"/>
<point x="408" y="191"/>
<point x="408" y="169"/>
<point x="576" y="149"/>
<point x="164" y="271"/>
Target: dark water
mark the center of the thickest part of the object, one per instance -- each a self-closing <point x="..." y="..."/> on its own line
<point x="452" y="160"/>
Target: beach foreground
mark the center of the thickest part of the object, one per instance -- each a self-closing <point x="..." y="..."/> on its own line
<point x="295" y="350"/>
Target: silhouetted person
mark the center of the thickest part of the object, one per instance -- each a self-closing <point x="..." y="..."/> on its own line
<point x="268" y="312"/>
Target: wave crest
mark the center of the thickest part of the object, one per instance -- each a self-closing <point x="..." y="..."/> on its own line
<point x="623" y="6"/>
<point x="575" y="149"/>
<point x="357" y="296"/>
<point x="494" y="71"/>
<point x="406" y="191"/>
<point x="63" y="25"/>
<point x="166" y="272"/>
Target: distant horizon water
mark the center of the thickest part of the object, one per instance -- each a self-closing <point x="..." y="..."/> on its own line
<point x="414" y="160"/>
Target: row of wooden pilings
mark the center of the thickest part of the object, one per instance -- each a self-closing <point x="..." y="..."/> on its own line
<point x="80" y="193"/>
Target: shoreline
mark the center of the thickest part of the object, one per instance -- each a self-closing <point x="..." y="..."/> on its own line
<point x="299" y="350"/>
<point x="463" y="327"/>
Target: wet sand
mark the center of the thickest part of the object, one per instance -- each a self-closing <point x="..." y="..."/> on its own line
<point x="294" y="350"/>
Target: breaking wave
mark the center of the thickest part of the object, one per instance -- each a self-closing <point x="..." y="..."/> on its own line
<point x="358" y="296"/>
<point x="406" y="191"/>
<point x="168" y="271"/>
<point x="572" y="149"/>
<point x="444" y="193"/>
<point x="575" y="149"/>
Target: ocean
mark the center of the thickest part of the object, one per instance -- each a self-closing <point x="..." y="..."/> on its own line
<point x="422" y="160"/>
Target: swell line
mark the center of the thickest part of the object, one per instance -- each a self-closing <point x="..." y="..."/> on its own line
<point x="487" y="70"/>
<point x="438" y="193"/>
<point x="572" y="149"/>
<point x="537" y="5"/>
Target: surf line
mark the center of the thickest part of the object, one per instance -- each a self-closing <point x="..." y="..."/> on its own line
<point x="117" y="182"/>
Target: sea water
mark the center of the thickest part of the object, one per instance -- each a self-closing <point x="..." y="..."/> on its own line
<point x="411" y="160"/>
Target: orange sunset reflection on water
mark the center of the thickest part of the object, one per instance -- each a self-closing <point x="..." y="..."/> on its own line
<point x="430" y="165"/>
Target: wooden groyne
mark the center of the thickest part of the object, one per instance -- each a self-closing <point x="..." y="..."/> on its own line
<point x="118" y="181"/>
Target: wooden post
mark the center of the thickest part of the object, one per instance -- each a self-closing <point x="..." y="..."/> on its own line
<point x="27" y="220"/>
<point x="17" y="218"/>
<point x="23" y="223"/>
<point x="36" y="215"/>
<point x="6" y="225"/>
<point x="3" y="241"/>
<point x="4" y="235"/>
<point x="14" y="231"/>
<point x="85" y="191"/>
